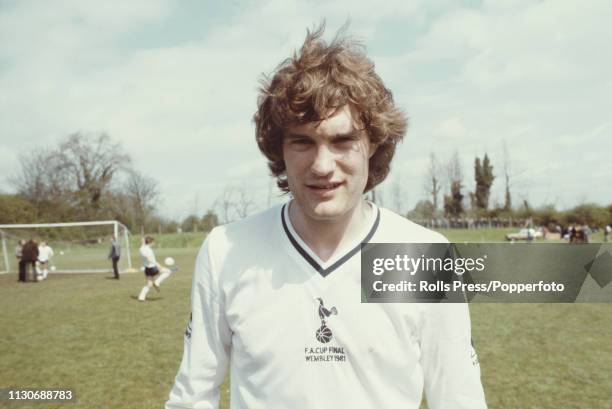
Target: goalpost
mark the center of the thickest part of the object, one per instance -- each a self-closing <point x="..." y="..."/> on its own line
<point x="78" y="247"/>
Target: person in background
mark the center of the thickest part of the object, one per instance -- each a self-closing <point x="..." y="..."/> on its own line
<point x="20" y="262"/>
<point x="114" y="254"/>
<point x="45" y="252"/>
<point x="154" y="272"/>
<point x="29" y="256"/>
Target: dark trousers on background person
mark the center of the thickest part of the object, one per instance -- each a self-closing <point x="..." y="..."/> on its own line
<point x="22" y="271"/>
<point x="115" y="267"/>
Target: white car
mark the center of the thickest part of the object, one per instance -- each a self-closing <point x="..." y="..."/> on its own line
<point x="524" y="234"/>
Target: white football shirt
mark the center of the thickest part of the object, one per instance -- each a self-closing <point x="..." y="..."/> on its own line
<point x="294" y="333"/>
<point x="44" y="253"/>
<point x="148" y="256"/>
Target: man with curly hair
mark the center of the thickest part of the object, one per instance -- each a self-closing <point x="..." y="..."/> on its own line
<point x="277" y="297"/>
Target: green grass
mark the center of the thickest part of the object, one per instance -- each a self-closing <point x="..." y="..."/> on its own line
<point x="477" y="235"/>
<point x="172" y="240"/>
<point x="89" y="333"/>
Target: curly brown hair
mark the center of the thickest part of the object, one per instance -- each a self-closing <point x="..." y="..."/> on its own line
<point x="319" y="79"/>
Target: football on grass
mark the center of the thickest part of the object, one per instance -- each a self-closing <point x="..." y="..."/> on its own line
<point x="169" y="261"/>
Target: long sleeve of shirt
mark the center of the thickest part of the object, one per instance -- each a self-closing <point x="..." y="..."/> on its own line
<point x="450" y="364"/>
<point x="206" y="345"/>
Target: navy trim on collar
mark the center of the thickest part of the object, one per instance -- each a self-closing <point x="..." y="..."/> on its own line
<point x="326" y="271"/>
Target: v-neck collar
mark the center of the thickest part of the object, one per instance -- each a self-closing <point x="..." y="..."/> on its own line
<point x="324" y="268"/>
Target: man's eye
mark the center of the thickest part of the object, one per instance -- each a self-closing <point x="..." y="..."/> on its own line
<point x="301" y="142"/>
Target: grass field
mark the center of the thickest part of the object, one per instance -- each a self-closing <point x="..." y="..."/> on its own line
<point x="89" y="333"/>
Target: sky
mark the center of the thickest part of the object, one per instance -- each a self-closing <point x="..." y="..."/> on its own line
<point x="175" y="82"/>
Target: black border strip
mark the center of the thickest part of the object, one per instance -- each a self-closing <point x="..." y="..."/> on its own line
<point x="326" y="271"/>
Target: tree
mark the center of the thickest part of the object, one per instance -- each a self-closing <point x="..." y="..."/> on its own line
<point x="72" y="180"/>
<point x="483" y="174"/>
<point x="190" y="223"/>
<point x="234" y="203"/>
<point x="209" y="221"/>
<point x="547" y="216"/>
<point x="16" y="209"/>
<point x="41" y="182"/>
<point x="589" y="214"/>
<point x="244" y="202"/>
<point x="453" y="202"/>
<point x="88" y="163"/>
<point x="433" y="183"/>
<point x="141" y="191"/>
<point x="118" y="206"/>
<point x="422" y="210"/>
<point x="525" y="211"/>
<point x="170" y="226"/>
<point x="224" y="203"/>
<point x="508" y="197"/>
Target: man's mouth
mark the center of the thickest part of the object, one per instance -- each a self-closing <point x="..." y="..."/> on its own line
<point x="324" y="187"/>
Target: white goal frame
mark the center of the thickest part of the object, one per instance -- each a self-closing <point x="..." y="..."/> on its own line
<point x="116" y="225"/>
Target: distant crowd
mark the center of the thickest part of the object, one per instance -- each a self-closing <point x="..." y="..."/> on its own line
<point x="33" y="259"/>
<point x="581" y="233"/>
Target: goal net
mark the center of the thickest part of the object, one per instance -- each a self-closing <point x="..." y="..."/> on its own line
<point x="80" y="247"/>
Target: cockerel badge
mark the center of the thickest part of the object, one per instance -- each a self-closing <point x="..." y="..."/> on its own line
<point x="324" y="334"/>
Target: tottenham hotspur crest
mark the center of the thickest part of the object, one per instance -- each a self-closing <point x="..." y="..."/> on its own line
<point x="324" y="334"/>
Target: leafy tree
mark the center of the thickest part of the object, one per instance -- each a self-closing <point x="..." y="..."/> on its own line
<point x="547" y="216"/>
<point x="483" y="174"/>
<point x="209" y="221"/>
<point x="424" y="209"/>
<point x="453" y="202"/>
<point x="88" y="163"/>
<point x="16" y="209"/>
<point x="72" y="180"/>
<point x="161" y="225"/>
<point x="589" y="214"/>
<point x="171" y="226"/>
<point x="190" y="223"/>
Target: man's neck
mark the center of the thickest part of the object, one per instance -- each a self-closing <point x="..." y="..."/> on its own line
<point x="326" y="237"/>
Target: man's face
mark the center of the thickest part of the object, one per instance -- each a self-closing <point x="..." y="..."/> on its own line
<point x="327" y="164"/>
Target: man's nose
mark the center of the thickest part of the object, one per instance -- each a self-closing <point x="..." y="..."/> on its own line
<point x="324" y="162"/>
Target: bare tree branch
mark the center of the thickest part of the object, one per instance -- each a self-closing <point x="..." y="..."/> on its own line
<point x="142" y="191"/>
<point x="433" y="182"/>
